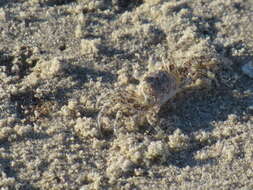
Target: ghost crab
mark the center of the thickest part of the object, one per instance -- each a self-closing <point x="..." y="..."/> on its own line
<point x="138" y="105"/>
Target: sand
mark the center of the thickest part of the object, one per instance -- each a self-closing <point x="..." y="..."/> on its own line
<point x="59" y="57"/>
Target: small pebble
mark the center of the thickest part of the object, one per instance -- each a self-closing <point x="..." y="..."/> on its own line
<point x="248" y="69"/>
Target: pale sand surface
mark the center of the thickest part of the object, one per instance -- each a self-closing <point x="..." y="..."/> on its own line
<point x="57" y="57"/>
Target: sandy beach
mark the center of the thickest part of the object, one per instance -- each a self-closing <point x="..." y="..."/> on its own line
<point x="73" y="111"/>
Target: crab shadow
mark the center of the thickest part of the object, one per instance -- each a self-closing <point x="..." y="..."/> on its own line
<point x="82" y="74"/>
<point x="199" y="110"/>
<point x="24" y="105"/>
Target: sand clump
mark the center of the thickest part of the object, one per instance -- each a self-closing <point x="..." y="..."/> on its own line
<point x="63" y="61"/>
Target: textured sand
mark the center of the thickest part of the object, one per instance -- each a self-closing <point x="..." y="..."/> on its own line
<point x="58" y="57"/>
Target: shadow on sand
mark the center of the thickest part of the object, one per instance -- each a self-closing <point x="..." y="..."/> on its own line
<point x="199" y="109"/>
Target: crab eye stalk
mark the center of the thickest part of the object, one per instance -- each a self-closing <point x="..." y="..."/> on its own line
<point x="150" y="79"/>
